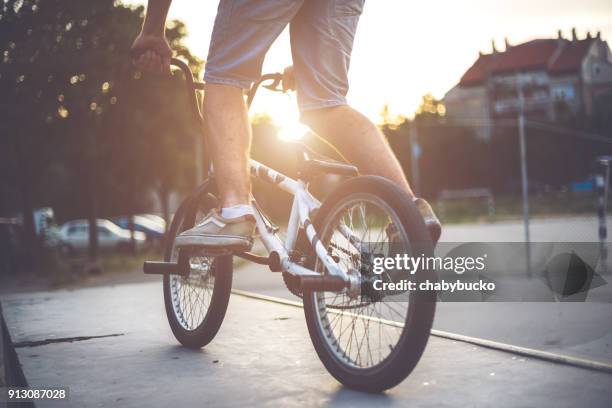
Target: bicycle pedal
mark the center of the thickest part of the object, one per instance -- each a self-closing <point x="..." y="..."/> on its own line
<point x="161" y="268"/>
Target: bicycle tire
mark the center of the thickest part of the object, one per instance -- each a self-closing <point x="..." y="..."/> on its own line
<point x="417" y="325"/>
<point x="207" y="329"/>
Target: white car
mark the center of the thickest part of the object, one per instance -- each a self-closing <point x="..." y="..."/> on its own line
<point x="155" y="218"/>
<point x="74" y="236"/>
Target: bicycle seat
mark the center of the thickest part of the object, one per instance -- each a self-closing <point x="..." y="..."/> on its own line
<point x="310" y="167"/>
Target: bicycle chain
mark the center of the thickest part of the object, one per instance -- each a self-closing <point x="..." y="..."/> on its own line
<point x="292" y="284"/>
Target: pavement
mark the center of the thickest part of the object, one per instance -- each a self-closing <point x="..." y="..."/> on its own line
<point x="112" y="346"/>
<point x="549" y="229"/>
<point x="577" y="329"/>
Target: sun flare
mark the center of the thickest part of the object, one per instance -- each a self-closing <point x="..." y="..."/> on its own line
<point x="292" y="131"/>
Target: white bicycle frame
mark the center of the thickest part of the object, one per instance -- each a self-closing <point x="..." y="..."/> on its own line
<point x="281" y="255"/>
<point x="303" y="205"/>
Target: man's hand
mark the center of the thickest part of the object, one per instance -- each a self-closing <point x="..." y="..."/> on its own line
<point x="151" y="52"/>
<point x="289" y="83"/>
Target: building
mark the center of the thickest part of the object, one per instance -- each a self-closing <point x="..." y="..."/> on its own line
<point x="547" y="77"/>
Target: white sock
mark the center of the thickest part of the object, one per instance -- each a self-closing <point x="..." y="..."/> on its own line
<point x="236" y="211"/>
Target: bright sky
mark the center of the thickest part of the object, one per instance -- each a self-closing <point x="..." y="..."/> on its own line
<point x="405" y="48"/>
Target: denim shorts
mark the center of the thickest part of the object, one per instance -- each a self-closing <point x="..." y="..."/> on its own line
<point x="322" y="34"/>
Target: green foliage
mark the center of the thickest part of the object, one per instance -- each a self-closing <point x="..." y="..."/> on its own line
<point x="81" y="132"/>
<point x="82" y="124"/>
<point x="452" y="157"/>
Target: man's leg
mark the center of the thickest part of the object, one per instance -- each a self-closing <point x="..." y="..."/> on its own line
<point x="362" y="143"/>
<point x="322" y="36"/>
<point x="242" y="34"/>
<point x="229" y="136"/>
<point x="342" y="126"/>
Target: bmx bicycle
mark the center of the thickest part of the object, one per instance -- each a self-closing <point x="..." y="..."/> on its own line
<point x="367" y="339"/>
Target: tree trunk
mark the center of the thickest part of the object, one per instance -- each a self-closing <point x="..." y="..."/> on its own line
<point x="165" y="204"/>
<point x="92" y="214"/>
<point x="27" y="208"/>
<point x="92" y="217"/>
<point x="164" y="198"/>
<point x="132" y="228"/>
<point x="29" y="228"/>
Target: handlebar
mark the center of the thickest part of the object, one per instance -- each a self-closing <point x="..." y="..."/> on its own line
<point x="275" y="86"/>
<point x="193" y="85"/>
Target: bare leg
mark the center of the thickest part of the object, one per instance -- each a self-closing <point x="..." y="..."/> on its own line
<point x="229" y="135"/>
<point x="359" y="140"/>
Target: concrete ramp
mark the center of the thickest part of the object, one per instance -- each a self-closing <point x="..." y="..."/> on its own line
<point x="112" y="347"/>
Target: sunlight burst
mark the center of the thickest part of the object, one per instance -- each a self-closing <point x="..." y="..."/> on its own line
<point x="291" y="131"/>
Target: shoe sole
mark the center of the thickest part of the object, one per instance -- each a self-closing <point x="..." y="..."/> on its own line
<point x="211" y="243"/>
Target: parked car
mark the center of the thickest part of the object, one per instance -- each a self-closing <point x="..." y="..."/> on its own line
<point x="153" y="230"/>
<point x="74" y="236"/>
<point x="156" y="219"/>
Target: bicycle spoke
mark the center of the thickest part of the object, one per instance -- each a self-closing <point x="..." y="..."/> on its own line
<point x="352" y="325"/>
<point x="192" y="295"/>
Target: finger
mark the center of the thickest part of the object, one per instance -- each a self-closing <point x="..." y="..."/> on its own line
<point x="149" y="61"/>
<point x="166" y="66"/>
<point x="145" y="61"/>
<point x="289" y="84"/>
<point x="154" y="66"/>
<point x="141" y="62"/>
<point x="158" y="63"/>
<point x="135" y="54"/>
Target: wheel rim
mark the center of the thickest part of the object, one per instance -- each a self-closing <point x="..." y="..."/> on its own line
<point x="192" y="295"/>
<point x="357" y="330"/>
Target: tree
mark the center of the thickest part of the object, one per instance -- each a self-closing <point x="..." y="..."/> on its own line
<point x="62" y="57"/>
<point x="452" y="157"/>
<point x="64" y="63"/>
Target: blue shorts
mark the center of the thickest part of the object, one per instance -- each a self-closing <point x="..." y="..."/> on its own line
<point x="322" y="34"/>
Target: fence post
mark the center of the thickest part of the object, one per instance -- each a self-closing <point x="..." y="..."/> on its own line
<point x="525" y="189"/>
<point x="491" y="206"/>
<point x="601" y="187"/>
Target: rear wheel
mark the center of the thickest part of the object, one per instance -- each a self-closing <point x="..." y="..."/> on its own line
<point x="196" y="305"/>
<point x="373" y="340"/>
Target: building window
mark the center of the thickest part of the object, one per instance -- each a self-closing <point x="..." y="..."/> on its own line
<point x="563" y="92"/>
<point x="596" y="69"/>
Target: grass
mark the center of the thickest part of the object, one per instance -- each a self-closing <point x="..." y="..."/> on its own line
<point x="53" y="270"/>
<point x="124" y="262"/>
<point x="511" y="207"/>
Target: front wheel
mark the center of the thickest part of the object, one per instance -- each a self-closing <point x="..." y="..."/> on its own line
<point x="373" y="340"/>
<point x="196" y="305"/>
